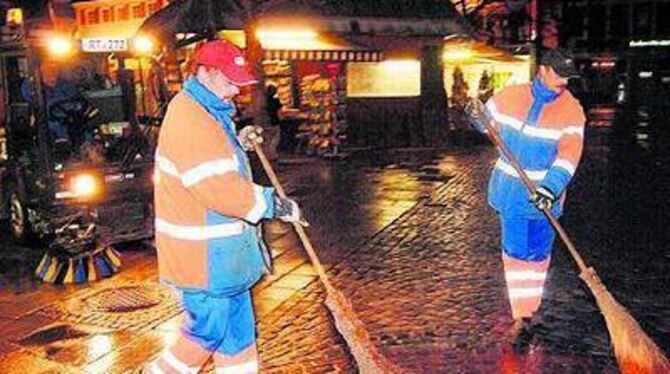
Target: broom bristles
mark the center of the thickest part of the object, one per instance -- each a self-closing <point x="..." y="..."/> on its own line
<point x="91" y="266"/>
<point x="368" y="358"/>
<point x="634" y="350"/>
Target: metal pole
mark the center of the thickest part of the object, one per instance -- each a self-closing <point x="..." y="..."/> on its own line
<point x="144" y="102"/>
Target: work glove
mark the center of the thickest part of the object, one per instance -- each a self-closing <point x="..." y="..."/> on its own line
<point x="542" y="198"/>
<point x="249" y="136"/>
<point x="287" y="210"/>
<point x="477" y="115"/>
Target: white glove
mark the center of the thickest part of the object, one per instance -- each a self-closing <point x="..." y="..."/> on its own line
<point x="249" y="136"/>
<point x="287" y="210"/>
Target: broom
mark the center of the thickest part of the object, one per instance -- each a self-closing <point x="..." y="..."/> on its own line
<point x="635" y="352"/>
<point x="368" y="358"/>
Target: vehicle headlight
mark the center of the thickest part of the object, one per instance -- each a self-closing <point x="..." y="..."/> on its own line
<point x="84" y="185"/>
<point x="81" y="186"/>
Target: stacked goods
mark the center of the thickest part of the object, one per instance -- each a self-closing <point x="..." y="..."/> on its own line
<point x="323" y="105"/>
<point x="278" y="73"/>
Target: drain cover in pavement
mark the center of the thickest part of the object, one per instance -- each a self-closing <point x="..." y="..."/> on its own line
<point x="128" y="307"/>
<point x="124" y="300"/>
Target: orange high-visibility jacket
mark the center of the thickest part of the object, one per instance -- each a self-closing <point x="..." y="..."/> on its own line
<point x="545" y="137"/>
<point x="206" y="203"/>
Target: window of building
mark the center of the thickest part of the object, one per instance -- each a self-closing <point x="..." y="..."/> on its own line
<point x="572" y="22"/>
<point x="597" y="21"/>
<point x="107" y="15"/>
<point x="400" y="78"/>
<point x="124" y="13"/>
<point x="662" y="24"/>
<point x="139" y="11"/>
<point x="155" y="6"/>
<point x="619" y="21"/>
<point x="642" y="20"/>
<point x="81" y="15"/>
<point x="93" y="17"/>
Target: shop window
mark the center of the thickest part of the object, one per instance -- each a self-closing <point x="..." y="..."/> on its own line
<point x="400" y="78"/>
<point x="139" y="11"/>
<point x="81" y="15"/>
<point x="93" y="17"/>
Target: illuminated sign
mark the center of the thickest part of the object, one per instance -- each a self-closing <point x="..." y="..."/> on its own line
<point x="104" y="44"/>
<point x="649" y="43"/>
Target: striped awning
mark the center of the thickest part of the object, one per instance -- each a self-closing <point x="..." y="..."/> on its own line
<point x="320" y="55"/>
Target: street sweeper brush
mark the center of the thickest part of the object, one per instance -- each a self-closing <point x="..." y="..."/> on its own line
<point x="368" y="358"/>
<point x="60" y="267"/>
<point x="635" y="352"/>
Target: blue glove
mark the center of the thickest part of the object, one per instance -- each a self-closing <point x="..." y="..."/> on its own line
<point x="543" y="198"/>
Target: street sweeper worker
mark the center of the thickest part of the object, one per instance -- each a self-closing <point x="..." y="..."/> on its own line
<point x="207" y="212"/>
<point x="543" y="126"/>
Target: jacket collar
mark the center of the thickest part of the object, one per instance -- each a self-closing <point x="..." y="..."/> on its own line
<point x="222" y="110"/>
<point x="541" y="92"/>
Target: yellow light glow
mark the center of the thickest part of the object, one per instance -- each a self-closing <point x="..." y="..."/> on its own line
<point x="457" y="55"/>
<point x="143" y="45"/>
<point x="289" y="39"/>
<point x="60" y="46"/>
<point x="401" y="65"/>
<point x="84" y="185"/>
<point x="286" y="34"/>
<point x="15" y="16"/>
<point x="390" y="78"/>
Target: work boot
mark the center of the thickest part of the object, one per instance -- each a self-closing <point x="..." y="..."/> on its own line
<point x="514" y="330"/>
<point x="520" y="334"/>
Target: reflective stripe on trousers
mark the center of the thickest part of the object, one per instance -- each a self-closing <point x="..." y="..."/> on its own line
<point x="525" y="284"/>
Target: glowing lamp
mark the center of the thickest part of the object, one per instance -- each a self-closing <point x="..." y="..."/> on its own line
<point x="15" y="17"/>
<point x="143" y="45"/>
<point x="60" y="47"/>
<point x="84" y="185"/>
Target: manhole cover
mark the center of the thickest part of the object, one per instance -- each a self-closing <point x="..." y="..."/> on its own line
<point x="128" y="307"/>
<point x="124" y="299"/>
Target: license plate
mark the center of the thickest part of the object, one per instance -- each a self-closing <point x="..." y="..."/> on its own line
<point x="104" y="44"/>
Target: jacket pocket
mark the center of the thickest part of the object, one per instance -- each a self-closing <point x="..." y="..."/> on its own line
<point x="235" y="263"/>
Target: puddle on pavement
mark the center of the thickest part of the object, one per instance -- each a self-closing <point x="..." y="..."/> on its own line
<point x="53" y="334"/>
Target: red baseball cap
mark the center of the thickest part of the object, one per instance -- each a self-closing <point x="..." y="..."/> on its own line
<point x="226" y="57"/>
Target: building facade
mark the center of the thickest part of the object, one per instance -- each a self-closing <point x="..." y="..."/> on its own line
<point x="623" y="47"/>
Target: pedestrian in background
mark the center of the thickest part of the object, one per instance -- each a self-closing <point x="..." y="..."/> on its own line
<point x="272" y="133"/>
<point x="542" y="124"/>
<point x="207" y="209"/>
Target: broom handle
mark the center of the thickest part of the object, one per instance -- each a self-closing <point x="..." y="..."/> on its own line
<point x="298" y="228"/>
<point x="495" y="138"/>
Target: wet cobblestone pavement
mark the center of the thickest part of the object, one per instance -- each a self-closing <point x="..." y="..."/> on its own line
<point x="409" y="238"/>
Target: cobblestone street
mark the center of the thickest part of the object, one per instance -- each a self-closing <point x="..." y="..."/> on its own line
<point x="408" y="236"/>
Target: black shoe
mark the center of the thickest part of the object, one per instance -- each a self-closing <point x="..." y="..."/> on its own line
<point x="523" y="339"/>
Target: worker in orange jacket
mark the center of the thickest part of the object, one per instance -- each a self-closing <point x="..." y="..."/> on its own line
<point x="542" y="124"/>
<point x="207" y="211"/>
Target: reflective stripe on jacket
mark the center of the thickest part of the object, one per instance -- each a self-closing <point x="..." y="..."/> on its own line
<point x="206" y="204"/>
<point x="547" y="143"/>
